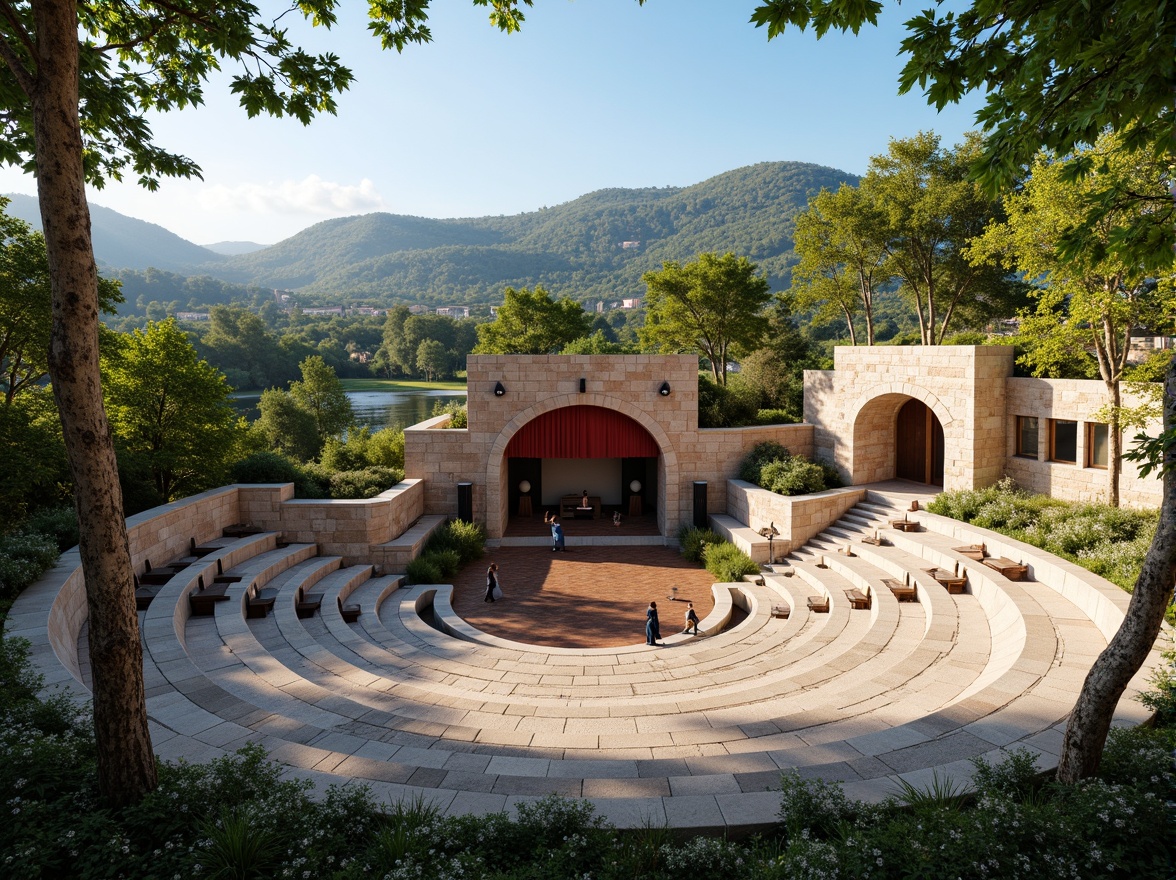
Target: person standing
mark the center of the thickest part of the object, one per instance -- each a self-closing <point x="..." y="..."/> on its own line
<point x="557" y="535"/>
<point x="691" y="618"/>
<point x="491" y="581"/>
<point x="652" y="627"/>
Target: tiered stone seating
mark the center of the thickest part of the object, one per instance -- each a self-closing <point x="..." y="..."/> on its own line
<point x="693" y="734"/>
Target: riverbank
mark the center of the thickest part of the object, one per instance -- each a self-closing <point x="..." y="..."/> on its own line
<point x="400" y="385"/>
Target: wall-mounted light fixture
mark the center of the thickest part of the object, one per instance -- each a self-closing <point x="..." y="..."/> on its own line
<point x="583" y="385"/>
<point x="499" y="390"/>
<point x="664" y="391"/>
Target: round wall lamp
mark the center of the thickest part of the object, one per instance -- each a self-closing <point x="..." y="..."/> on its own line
<point x="664" y="391"/>
<point x="499" y="390"/>
<point x="635" y="486"/>
<point x="524" y="487"/>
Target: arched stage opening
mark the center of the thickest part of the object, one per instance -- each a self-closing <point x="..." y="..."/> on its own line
<point x="564" y="453"/>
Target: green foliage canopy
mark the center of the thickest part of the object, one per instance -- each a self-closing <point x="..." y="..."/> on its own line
<point x="531" y="322"/>
<point x="170" y="408"/>
<point x="713" y="306"/>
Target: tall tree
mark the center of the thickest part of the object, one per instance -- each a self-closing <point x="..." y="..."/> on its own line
<point x="531" y="322"/>
<point x="713" y="306"/>
<point x="1093" y="299"/>
<point x="842" y="248"/>
<point x="124" y="60"/>
<point x="1055" y="75"/>
<point x="171" y="409"/>
<point x="930" y="210"/>
<point x="321" y="394"/>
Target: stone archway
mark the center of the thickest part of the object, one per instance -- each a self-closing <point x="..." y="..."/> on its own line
<point x="927" y="432"/>
<point x="497" y="471"/>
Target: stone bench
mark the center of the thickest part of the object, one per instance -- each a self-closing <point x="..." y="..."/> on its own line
<point x="395" y="555"/>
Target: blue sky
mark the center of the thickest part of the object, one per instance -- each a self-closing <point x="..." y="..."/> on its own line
<point x="591" y="94"/>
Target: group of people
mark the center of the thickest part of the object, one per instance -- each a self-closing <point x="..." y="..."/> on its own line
<point x="653" y="625"/>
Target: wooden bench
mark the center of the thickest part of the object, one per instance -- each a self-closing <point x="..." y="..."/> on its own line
<point x="1014" y="571"/>
<point x="905" y="525"/>
<point x="901" y="591"/>
<point x="818" y="604"/>
<point x="145" y="595"/>
<point x="858" y="600"/>
<point x="202" y="601"/>
<point x="260" y="603"/>
<point x="876" y="540"/>
<point x="350" y="613"/>
<point x="781" y="611"/>
<point x="975" y="552"/>
<point x="199" y="550"/>
<point x="305" y="605"/>
<point x="950" y="582"/>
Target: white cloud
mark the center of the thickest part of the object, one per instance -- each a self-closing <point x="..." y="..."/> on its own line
<point x="312" y="195"/>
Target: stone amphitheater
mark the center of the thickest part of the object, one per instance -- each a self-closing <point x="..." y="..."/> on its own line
<point x="412" y="701"/>
<point x="878" y="651"/>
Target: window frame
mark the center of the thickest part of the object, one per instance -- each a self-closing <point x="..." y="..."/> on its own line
<point x="1053" y="441"/>
<point x="1091" y="427"/>
<point x="1021" y="452"/>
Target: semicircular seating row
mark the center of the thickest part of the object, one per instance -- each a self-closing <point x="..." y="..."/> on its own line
<point x="413" y="701"/>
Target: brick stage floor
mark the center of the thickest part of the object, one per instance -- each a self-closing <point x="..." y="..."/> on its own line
<point x="584" y="597"/>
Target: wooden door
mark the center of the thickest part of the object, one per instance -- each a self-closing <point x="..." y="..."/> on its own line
<point x="918" y="453"/>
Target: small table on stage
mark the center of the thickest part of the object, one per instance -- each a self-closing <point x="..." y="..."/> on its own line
<point x="525" y="505"/>
<point x="585" y="512"/>
<point x="634" y="505"/>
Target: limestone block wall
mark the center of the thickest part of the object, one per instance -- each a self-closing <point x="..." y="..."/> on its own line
<point x="854" y="408"/>
<point x="797" y="517"/>
<point x="714" y="455"/>
<point x="349" y="528"/>
<point x="1072" y="400"/>
<point x="540" y="383"/>
<point x="164" y="532"/>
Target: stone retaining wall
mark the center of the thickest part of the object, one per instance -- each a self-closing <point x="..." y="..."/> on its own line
<point x="797" y="517"/>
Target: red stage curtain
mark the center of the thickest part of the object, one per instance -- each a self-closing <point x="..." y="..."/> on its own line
<point x="582" y="432"/>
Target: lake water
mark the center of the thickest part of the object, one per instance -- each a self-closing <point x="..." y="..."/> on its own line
<point x="375" y="409"/>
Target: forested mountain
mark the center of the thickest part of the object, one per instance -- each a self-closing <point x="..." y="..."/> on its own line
<point x="122" y="242"/>
<point x="576" y="248"/>
<point x="592" y="248"/>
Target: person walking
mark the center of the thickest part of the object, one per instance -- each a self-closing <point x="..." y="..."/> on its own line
<point x="691" y="618"/>
<point x="557" y="535"/>
<point x="491" y="582"/>
<point x="652" y="627"/>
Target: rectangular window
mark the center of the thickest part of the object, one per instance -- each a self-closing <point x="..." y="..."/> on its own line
<point x="1097" y="445"/>
<point x="1027" y="436"/>
<point x="1063" y="441"/>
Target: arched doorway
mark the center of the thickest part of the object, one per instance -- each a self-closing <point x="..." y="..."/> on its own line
<point x="565" y="452"/>
<point x="918" y="438"/>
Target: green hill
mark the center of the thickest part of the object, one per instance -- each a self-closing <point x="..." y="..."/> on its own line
<point x="575" y="248"/>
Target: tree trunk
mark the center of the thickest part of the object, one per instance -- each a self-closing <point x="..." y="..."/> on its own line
<point x="126" y="763"/>
<point x="1086" y="731"/>
<point x="849" y="324"/>
<point x="1114" y="444"/>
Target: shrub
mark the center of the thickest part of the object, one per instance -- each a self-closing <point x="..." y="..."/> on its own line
<point x="424" y="570"/>
<point x="725" y="407"/>
<point x="365" y="483"/>
<point x="694" y="541"/>
<point x="760" y="455"/>
<point x="60" y="523"/>
<point x="265" y="467"/>
<point x="458" y="414"/>
<point x="727" y="562"/>
<point x="469" y="540"/>
<point x="24" y="557"/>
<point x="794" y="476"/>
<point x="448" y="562"/>
<point x="775" y="417"/>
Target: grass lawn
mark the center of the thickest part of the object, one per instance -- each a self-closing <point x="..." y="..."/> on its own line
<point x="399" y="385"/>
